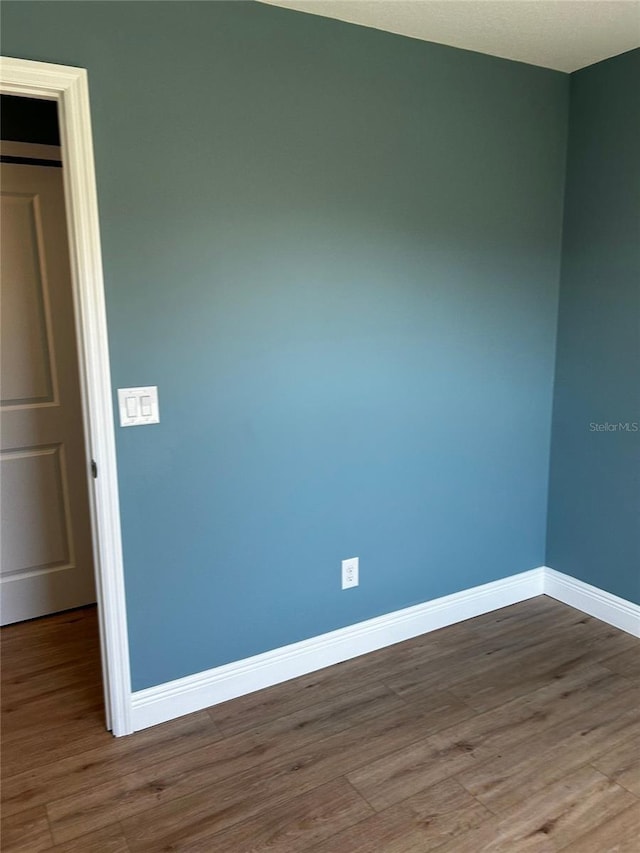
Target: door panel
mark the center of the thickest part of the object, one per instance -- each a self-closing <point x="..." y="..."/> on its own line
<point x="45" y="552"/>
<point x="25" y="372"/>
<point x="33" y="487"/>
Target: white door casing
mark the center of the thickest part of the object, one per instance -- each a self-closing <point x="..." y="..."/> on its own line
<point x="46" y="562"/>
<point x="69" y="87"/>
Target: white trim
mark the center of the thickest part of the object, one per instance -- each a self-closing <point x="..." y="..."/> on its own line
<point x="195" y="692"/>
<point x="68" y="86"/>
<point x="185" y="695"/>
<point x="32" y="150"/>
<point x="596" y="602"/>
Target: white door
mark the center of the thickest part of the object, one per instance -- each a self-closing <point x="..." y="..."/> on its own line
<point x="46" y="552"/>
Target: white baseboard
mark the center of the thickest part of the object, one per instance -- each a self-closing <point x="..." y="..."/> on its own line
<point x="596" y="602"/>
<point x="194" y="692"/>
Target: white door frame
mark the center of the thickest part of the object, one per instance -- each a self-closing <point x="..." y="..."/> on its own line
<point x="68" y="86"/>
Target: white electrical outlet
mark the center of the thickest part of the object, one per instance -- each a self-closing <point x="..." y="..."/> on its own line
<point x="350" y="571"/>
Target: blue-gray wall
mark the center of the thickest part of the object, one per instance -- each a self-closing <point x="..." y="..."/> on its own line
<point x="594" y="498"/>
<point x="336" y="251"/>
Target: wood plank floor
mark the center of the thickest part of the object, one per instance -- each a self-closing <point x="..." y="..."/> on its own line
<point x="514" y="731"/>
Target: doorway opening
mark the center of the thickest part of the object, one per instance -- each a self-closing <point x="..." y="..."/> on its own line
<point x="46" y="553"/>
<point x="67" y="480"/>
<point x="46" y="556"/>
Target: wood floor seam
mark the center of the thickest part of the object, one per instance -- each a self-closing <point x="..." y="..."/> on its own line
<point x="360" y="794"/>
<point x="635" y="793"/>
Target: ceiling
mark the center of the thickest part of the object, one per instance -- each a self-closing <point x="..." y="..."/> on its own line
<point x="562" y="34"/>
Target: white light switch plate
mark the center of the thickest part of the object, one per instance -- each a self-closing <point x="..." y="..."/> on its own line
<point x="138" y="406"/>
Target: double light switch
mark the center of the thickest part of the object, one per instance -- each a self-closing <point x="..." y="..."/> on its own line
<point x="138" y="405"/>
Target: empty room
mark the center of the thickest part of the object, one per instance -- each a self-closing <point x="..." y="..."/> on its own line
<point x="320" y="426"/>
